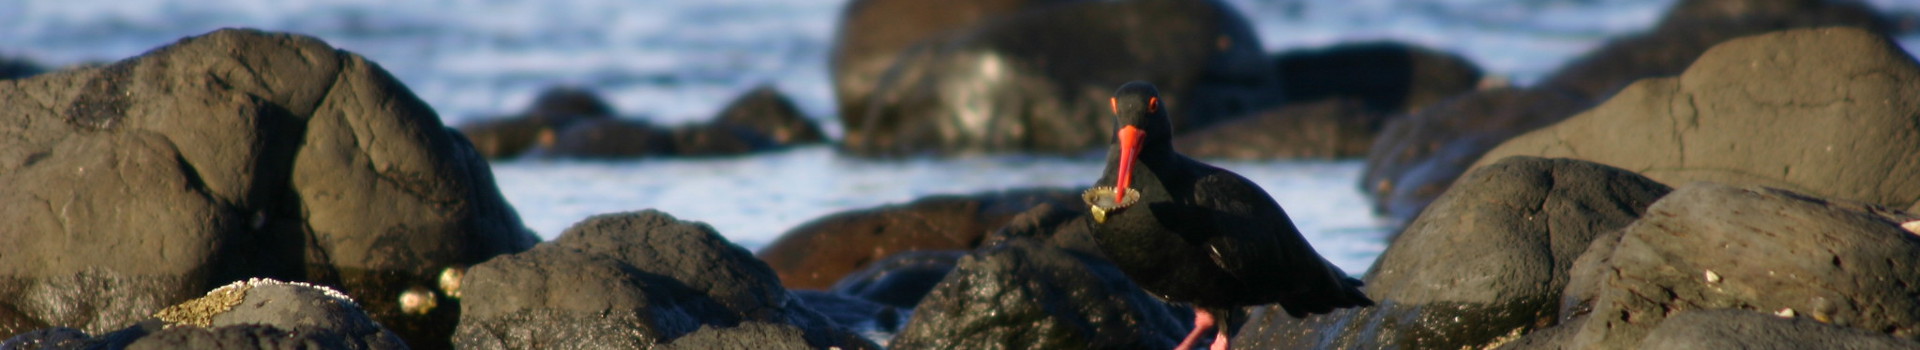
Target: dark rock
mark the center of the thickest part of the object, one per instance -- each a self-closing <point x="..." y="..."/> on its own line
<point x="633" y="280"/>
<point x="230" y="155"/>
<point x="15" y="68"/>
<point x="1415" y="158"/>
<point x="1689" y="29"/>
<point x="1738" y="329"/>
<point x="1389" y="77"/>
<point x="819" y="253"/>
<point x="747" y="335"/>
<point x="1332" y="128"/>
<point x="555" y="109"/>
<point x="1487" y="261"/>
<point x="1828" y="112"/>
<point x="872" y="34"/>
<point x="877" y="322"/>
<point x="1709" y="246"/>
<point x="1024" y="294"/>
<point x="609" y="138"/>
<point x="1040" y="81"/>
<point x="1066" y="226"/>
<point x="766" y="112"/>
<point x="901" y="279"/>
<point x="255" y="314"/>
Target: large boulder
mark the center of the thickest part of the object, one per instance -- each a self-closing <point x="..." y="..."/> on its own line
<point x="253" y="314"/>
<point x="873" y="33"/>
<point x="901" y="279"/>
<point x="1831" y="112"/>
<point x="1024" y="294"/>
<point x="1040" y="80"/>
<point x="1689" y="28"/>
<point x="1330" y="128"/>
<point x="1417" y="157"/>
<point x="1487" y="261"/>
<point x="1741" y="329"/>
<point x="635" y="280"/>
<point x="819" y="253"/>
<point x="231" y="155"/>
<point x="1710" y="246"/>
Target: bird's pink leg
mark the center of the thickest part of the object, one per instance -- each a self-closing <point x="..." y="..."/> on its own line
<point x="1220" y="341"/>
<point x="1202" y="322"/>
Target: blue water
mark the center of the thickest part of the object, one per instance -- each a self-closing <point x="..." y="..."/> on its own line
<point x="678" y="61"/>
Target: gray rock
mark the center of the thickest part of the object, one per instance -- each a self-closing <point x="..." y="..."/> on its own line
<point x="1709" y="246"/>
<point x="872" y="34"/>
<point x="1487" y="261"/>
<point x="630" y="280"/>
<point x="230" y="155"/>
<point x="1829" y="112"/>
<point x="1024" y="294"/>
<point x="901" y="279"/>
<point x="1738" y="329"/>
<point x="1039" y="81"/>
<point x="1689" y="28"/>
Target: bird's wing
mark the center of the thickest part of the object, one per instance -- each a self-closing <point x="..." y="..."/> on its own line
<point x="1256" y="241"/>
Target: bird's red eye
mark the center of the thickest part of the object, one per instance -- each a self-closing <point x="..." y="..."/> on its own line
<point x="1153" y="104"/>
<point x="1115" y="103"/>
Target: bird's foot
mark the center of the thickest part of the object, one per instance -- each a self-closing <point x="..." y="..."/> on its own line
<point x="1220" y="341"/>
<point x="1202" y="322"/>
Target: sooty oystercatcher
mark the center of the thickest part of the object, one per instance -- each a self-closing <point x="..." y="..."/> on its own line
<point x="1189" y="232"/>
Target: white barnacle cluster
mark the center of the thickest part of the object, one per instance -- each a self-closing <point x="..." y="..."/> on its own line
<point x="256" y="282"/>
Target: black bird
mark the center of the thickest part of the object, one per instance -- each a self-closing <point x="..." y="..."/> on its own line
<point x="1190" y="232"/>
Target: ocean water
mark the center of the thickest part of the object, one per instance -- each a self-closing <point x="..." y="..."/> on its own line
<point x="678" y="61"/>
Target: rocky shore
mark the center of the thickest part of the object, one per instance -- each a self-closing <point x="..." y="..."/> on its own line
<point x="1745" y="178"/>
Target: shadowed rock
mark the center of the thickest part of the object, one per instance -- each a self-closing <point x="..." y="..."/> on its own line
<point x="1417" y="157"/>
<point x="1388" y="77"/>
<point x="1333" y="128"/>
<point x="1738" y="329"/>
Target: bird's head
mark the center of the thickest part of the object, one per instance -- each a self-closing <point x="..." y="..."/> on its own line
<point x="1139" y="117"/>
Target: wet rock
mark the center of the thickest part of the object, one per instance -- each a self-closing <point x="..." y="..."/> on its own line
<point x="1689" y="29"/>
<point x="609" y="138"/>
<point x="1709" y="246"/>
<point x="231" y="155"/>
<point x="1487" y="261"/>
<point x="1828" y="112"/>
<point x="254" y="314"/>
<point x="873" y="33"/>
<point x="1024" y="294"/>
<point x="1039" y="81"/>
<point x="819" y="253"/>
<point x="901" y="279"/>
<point x="875" y="321"/>
<point x="1332" y="128"/>
<point x="555" y="109"/>
<point x="634" y="280"/>
<point x="1737" y="329"/>
<point x="1415" y="158"/>
<point x="1389" y="77"/>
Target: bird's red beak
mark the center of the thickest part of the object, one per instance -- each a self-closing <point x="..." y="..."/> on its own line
<point x="1129" y="138"/>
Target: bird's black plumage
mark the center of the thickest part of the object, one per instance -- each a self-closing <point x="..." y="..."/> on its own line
<point x="1206" y="236"/>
